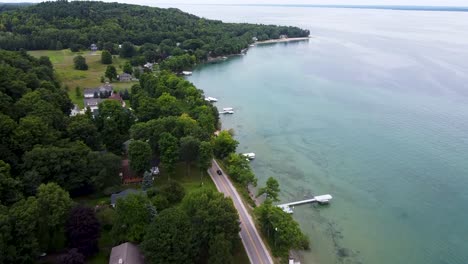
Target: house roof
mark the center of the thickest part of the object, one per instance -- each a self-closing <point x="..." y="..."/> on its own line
<point x="92" y="101"/>
<point x="116" y="96"/>
<point x="128" y="253"/>
<point x="103" y="88"/>
<point x="122" y="194"/>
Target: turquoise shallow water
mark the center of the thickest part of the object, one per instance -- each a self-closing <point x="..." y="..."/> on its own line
<point x="372" y="110"/>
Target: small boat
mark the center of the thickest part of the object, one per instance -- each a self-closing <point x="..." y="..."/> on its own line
<point x="187" y="73"/>
<point x="227" y="112"/>
<point x="323" y="199"/>
<point x="250" y="156"/>
<point x="211" y="99"/>
<point x="228" y="109"/>
<point x="252" y="45"/>
<point x="224" y="58"/>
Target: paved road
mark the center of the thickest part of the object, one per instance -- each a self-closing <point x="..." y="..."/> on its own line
<point x="256" y="250"/>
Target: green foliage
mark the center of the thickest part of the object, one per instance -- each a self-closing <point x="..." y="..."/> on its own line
<point x="169" y="238"/>
<point x="205" y="155"/>
<point x="127" y="68"/>
<point x="33" y="130"/>
<point x="54" y="205"/>
<point x="80" y="63"/>
<point x="133" y="215"/>
<point x="147" y="181"/>
<point x="111" y="73"/>
<point x="178" y="63"/>
<point x="127" y="50"/>
<point x="189" y="149"/>
<point x="173" y="192"/>
<point x="169" y="150"/>
<point x="282" y="231"/>
<point x="224" y="144"/>
<point x="113" y="122"/>
<point x="239" y="169"/>
<point x="139" y="154"/>
<point x="271" y="190"/>
<point x="10" y="188"/>
<point x="82" y="128"/>
<point x="106" y="218"/>
<point x="220" y="250"/>
<point x="211" y="214"/>
<point x="106" y="57"/>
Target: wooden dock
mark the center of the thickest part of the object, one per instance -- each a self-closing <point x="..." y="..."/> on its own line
<point x="321" y="199"/>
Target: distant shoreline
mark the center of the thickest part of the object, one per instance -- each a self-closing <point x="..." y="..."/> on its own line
<point x="281" y="40"/>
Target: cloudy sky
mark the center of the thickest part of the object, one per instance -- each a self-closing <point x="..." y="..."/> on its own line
<point x="312" y="2"/>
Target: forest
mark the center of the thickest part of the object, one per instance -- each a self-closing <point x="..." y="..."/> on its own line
<point x="63" y="24"/>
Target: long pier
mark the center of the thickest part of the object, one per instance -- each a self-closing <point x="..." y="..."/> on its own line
<point x="322" y="199"/>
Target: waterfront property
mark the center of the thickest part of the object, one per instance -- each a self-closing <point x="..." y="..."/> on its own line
<point x="321" y="199"/>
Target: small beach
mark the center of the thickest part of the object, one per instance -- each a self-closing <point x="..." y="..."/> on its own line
<point x="281" y="40"/>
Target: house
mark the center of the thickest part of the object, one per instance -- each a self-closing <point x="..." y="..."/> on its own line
<point x="76" y="110"/>
<point x="116" y="96"/>
<point x="92" y="103"/>
<point x="255" y="39"/>
<point x="122" y="194"/>
<point x="283" y="36"/>
<point x="125" y="77"/>
<point x="93" y="47"/>
<point x="105" y="90"/>
<point x="126" y="253"/>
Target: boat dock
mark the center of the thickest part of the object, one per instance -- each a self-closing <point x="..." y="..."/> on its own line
<point x="321" y="199"/>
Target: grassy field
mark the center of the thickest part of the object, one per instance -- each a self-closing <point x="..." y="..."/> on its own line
<point x="63" y="64"/>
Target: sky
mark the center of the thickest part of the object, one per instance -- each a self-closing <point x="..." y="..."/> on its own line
<point x="311" y="2"/>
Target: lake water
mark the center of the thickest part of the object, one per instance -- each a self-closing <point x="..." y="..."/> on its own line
<point x="373" y="110"/>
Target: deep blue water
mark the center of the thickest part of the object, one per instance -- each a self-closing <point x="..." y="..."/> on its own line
<point x="373" y="110"/>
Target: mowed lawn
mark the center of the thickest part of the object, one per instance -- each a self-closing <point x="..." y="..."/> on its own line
<point x="63" y="65"/>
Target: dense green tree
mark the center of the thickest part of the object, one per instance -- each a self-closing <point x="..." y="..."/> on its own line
<point x="66" y="165"/>
<point x="220" y="251"/>
<point x="169" y="152"/>
<point x="10" y="188"/>
<point x="281" y="229"/>
<point x="139" y="154"/>
<point x="81" y="127"/>
<point x="173" y="192"/>
<point x="168" y="105"/>
<point x="82" y="230"/>
<point x="106" y="57"/>
<point x="111" y="73"/>
<point x="239" y="169"/>
<point x="24" y="245"/>
<point x="224" y="144"/>
<point x="169" y="238"/>
<point x="205" y="156"/>
<point x="127" y="50"/>
<point x="33" y="130"/>
<point x="54" y="205"/>
<point x="104" y="169"/>
<point x="127" y="68"/>
<point x="133" y="215"/>
<point x="211" y="214"/>
<point x="189" y="150"/>
<point x="271" y="190"/>
<point x="113" y="123"/>
<point x="80" y="63"/>
<point x="106" y="218"/>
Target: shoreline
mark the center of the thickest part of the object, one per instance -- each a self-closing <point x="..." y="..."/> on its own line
<point x="281" y="40"/>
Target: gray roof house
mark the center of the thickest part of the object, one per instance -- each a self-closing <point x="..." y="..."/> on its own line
<point x="89" y="93"/>
<point x="126" y="253"/>
<point x="122" y="194"/>
<point x="125" y="77"/>
<point x="92" y="103"/>
<point x="93" y="47"/>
